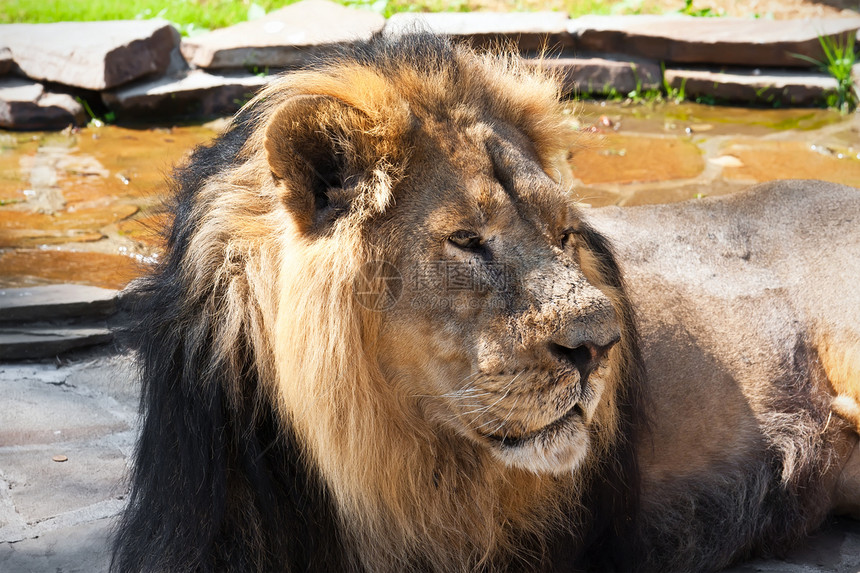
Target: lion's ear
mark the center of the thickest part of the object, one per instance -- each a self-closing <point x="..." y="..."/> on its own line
<point x="310" y="150"/>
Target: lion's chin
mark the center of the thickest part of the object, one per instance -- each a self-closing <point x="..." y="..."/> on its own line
<point x="557" y="449"/>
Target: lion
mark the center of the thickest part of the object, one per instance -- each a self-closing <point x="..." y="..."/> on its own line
<point x="384" y="337"/>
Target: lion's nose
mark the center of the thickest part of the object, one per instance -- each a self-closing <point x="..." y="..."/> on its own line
<point x="584" y="357"/>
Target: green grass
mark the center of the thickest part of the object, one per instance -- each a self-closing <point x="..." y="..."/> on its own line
<point x="187" y="14"/>
<point x="840" y="56"/>
<point x="192" y="16"/>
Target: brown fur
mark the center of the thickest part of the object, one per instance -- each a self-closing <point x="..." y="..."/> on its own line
<point x="312" y="412"/>
<point x="750" y="318"/>
<point x="393" y="408"/>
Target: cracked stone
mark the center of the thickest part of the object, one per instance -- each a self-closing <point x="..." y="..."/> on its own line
<point x="602" y="74"/>
<point x="291" y="36"/>
<point x="530" y="31"/>
<point x="26" y="105"/>
<point x="91" y="55"/>
<point x="54" y="302"/>
<point x="39" y="410"/>
<point x="756" y="86"/>
<point x="195" y="93"/>
<point x="46" y="341"/>
<point x="725" y="41"/>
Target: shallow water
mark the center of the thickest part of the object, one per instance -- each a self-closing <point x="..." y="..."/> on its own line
<point x="82" y="205"/>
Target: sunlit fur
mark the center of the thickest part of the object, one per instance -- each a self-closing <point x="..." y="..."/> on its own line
<point x="252" y="322"/>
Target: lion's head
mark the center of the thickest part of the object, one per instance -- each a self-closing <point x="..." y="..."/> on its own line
<point x="448" y="341"/>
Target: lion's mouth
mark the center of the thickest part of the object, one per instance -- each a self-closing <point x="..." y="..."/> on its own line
<point x="509" y="441"/>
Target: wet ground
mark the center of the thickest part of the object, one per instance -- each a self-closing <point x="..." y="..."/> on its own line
<point x="82" y="206"/>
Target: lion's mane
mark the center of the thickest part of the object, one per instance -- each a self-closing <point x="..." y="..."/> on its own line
<point x="269" y="439"/>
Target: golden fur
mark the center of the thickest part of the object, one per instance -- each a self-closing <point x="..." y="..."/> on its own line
<point x="313" y="412"/>
<point x="407" y="490"/>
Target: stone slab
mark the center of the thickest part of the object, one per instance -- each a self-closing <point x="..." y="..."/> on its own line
<point x="91" y="55"/>
<point x="42" y="488"/>
<point x="288" y="37"/>
<point x="43" y="407"/>
<point x="529" y="31"/>
<point x="80" y="548"/>
<point x="196" y="93"/>
<point x="26" y="105"/>
<point x="47" y="341"/>
<point x="724" y="41"/>
<point x="603" y="74"/>
<point x="114" y="375"/>
<point x="789" y="88"/>
<point x="6" y="61"/>
<point x="54" y="302"/>
<point x="835" y="549"/>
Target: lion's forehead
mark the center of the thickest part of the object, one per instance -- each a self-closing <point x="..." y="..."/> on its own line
<point x="485" y="178"/>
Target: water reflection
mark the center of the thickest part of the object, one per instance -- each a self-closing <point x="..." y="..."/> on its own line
<point x="82" y="205"/>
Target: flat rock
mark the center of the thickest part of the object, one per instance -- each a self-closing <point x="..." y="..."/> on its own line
<point x="603" y="74"/>
<point x="91" y="55"/>
<point x="288" y="37"/>
<point x="529" y="31"/>
<point x="55" y="302"/>
<point x="6" y="61"/>
<point x="196" y="94"/>
<point x="789" y="88"/>
<point x="42" y="488"/>
<point x="26" y="105"/>
<point x="726" y="41"/>
<point x="45" y="407"/>
<point x="79" y="548"/>
<point x="46" y="341"/>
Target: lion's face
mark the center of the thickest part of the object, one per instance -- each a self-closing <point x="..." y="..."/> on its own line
<point x="491" y="326"/>
<point x="497" y="333"/>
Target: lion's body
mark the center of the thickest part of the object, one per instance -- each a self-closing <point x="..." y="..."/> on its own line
<point x="476" y="408"/>
<point x="749" y="316"/>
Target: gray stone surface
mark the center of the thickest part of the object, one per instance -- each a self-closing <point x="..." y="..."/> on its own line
<point x="725" y="41"/>
<point x="527" y="30"/>
<point x="55" y="515"/>
<point x="286" y="37"/>
<point x="6" y="61"/>
<point x="54" y="302"/>
<point x="195" y="93"/>
<point x="58" y="516"/>
<point x="836" y="549"/>
<point x="41" y="488"/>
<point x="42" y="407"/>
<point x="601" y="75"/>
<point x="43" y="341"/>
<point x="91" y="55"/>
<point x="80" y="548"/>
<point x="758" y="86"/>
<point x="25" y="104"/>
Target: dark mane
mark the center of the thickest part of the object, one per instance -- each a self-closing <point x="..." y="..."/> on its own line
<point x="219" y="483"/>
<point x="614" y="493"/>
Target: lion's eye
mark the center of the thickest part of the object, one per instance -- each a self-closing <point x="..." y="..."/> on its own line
<point x="567" y="238"/>
<point x="468" y="240"/>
